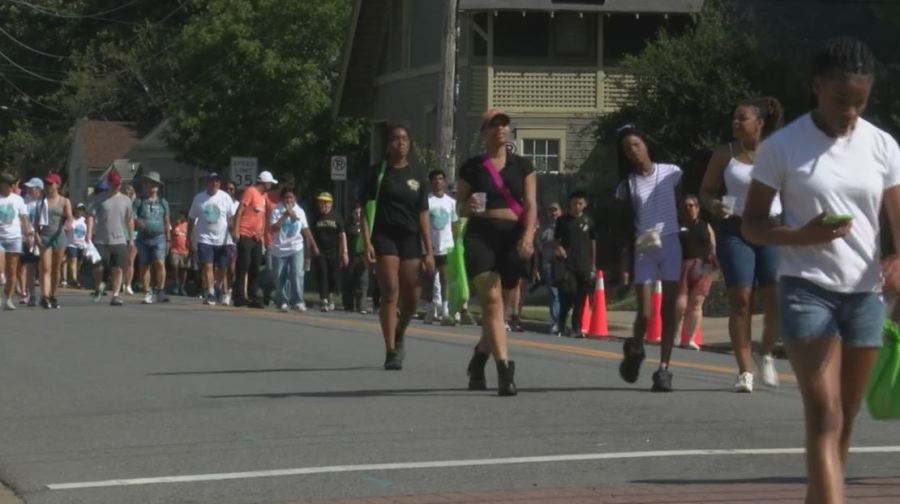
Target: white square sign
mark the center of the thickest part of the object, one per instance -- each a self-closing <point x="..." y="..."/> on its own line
<point x="338" y="167"/>
<point x="244" y="170"/>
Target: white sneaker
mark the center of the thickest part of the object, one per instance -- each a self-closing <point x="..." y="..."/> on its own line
<point x="331" y="306"/>
<point x="226" y="299"/>
<point x="128" y="290"/>
<point x="744" y="383"/>
<point x="148" y="298"/>
<point x="98" y="294"/>
<point x="64" y="284"/>
<point x="283" y="308"/>
<point x="300" y="307"/>
<point x="767" y="373"/>
<point x="8" y="305"/>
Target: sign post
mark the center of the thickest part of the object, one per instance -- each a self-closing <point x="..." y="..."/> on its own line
<point x="243" y="171"/>
<point x="339" y="177"/>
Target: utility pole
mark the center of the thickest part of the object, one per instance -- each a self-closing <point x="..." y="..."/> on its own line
<point x="447" y="105"/>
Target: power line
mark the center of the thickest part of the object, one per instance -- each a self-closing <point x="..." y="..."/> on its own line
<point x="28" y="96"/>
<point x="20" y="67"/>
<point x="70" y="15"/>
<point x="28" y="47"/>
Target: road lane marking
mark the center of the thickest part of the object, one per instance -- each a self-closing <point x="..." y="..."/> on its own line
<point x="551" y="347"/>
<point x="440" y="464"/>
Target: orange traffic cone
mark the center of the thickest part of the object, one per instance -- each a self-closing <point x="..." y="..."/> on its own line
<point x="654" y="325"/>
<point x="686" y="339"/>
<point x="586" y="315"/>
<point x="599" y="327"/>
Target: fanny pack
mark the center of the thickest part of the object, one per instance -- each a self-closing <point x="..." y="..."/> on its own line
<point x="511" y="202"/>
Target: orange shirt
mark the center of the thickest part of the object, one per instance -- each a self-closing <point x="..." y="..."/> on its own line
<point x="253" y="220"/>
<point x="273" y="198"/>
<point x="180" y="239"/>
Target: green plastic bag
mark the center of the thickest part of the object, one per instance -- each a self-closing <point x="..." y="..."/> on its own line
<point x="883" y="394"/>
<point x="371" y="207"/>
<point x="457" y="280"/>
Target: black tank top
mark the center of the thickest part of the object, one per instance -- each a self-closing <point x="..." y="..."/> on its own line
<point x="695" y="240"/>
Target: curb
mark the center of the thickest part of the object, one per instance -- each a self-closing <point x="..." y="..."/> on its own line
<point x="8" y="497"/>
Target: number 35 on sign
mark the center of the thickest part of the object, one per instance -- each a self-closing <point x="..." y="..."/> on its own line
<point x="244" y="170"/>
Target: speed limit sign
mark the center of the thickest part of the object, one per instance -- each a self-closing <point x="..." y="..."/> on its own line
<point x="243" y="170"/>
<point x="338" y="167"/>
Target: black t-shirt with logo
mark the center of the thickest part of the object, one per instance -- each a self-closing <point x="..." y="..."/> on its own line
<point x="403" y="197"/>
<point x="513" y="176"/>
<point x="327" y="231"/>
<point x="575" y="234"/>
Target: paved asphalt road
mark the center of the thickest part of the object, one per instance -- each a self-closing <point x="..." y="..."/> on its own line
<point x="92" y="393"/>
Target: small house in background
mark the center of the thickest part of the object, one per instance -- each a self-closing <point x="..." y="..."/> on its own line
<point x="551" y="64"/>
<point x="100" y="146"/>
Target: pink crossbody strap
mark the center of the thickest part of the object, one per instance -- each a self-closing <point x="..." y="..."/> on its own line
<point x="511" y="202"/>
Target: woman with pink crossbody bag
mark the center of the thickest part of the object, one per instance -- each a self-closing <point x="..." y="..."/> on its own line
<point x="497" y="191"/>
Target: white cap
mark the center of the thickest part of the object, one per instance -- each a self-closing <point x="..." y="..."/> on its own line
<point x="266" y="178"/>
<point x="35" y="182"/>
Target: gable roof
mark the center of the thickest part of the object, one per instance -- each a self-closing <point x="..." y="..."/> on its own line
<point x="106" y="141"/>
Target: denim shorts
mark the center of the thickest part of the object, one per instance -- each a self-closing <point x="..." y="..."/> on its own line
<point x="743" y="263"/>
<point x="809" y="312"/>
<point x="54" y="241"/>
<point x="663" y="264"/>
<point x="151" y="249"/>
<point x="11" y="246"/>
<point x="217" y="255"/>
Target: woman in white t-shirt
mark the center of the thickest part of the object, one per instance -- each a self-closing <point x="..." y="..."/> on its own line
<point x="833" y="170"/>
<point x="290" y="232"/>
<point x="650" y="192"/>
<point x="749" y="270"/>
<point x="75" y="250"/>
<point x="15" y="234"/>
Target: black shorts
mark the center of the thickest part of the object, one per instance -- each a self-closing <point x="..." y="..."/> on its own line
<point x="440" y="261"/>
<point x="398" y="243"/>
<point x="491" y="247"/>
<point x="112" y="256"/>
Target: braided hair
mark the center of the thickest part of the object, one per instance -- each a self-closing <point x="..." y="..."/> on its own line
<point x="843" y="55"/>
<point x="768" y="109"/>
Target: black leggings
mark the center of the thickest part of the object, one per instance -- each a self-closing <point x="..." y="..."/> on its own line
<point x="249" y="259"/>
<point x="577" y="288"/>
<point x="328" y="268"/>
<point x="356" y="284"/>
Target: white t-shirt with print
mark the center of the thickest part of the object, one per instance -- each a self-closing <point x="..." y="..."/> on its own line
<point x="816" y="173"/>
<point x="77" y="234"/>
<point x="12" y="208"/>
<point x="33" y="205"/>
<point x="212" y="214"/>
<point x="442" y="214"/>
<point x="289" y="239"/>
<point x="653" y="199"/>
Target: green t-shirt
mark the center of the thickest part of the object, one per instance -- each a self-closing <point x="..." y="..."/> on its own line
<point x="152" y="214"/>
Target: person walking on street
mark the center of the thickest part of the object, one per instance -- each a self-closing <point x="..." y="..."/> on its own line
<point x="356" y="277"/>
<point x="52" y="240"/>
<point x="497" y="191"/>
<point x="835" y="172"/>
<point x="76" y="236"/>
<point x="249" y="233"/>
<point x="110" y="227"/>
<point x="650" y="192"/>
<point x="38" y="218"/>
<point x="291" y="237"/>
<point x="576" y="243"/>
<point x="699" y="246"/>
<point x="15" y="235"/>
<point x="546" y="251"/>
<point x="212" y="212"/>
<point x="443" y="220"/>
<point x="399" y="241"/>
<point x="749" y="270"/>
<point x="128" y="284"/>
<point x="153" y="223"/>
<point x="179" y="253"/>
<point x="328" y="231"/>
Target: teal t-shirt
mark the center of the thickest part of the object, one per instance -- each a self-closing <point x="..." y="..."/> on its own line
<point x="152" y="214"/>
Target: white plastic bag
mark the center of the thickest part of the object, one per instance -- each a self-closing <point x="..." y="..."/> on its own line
<point x="91" y="253"/>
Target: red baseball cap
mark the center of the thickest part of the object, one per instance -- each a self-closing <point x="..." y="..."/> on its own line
<point x="54" y="179"/>
<point x="113" y="178"/>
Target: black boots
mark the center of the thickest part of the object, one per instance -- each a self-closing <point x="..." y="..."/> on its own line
<point x="393" y="361"/>
<point x="477" y="380"/>
<point x="506" y="374"/>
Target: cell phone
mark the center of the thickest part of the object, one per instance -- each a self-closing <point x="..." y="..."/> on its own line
<point x="837" y="220"/>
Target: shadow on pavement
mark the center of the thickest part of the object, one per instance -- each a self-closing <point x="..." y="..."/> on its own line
<point x="254" y="371"/>
<point x="439" y="392"/>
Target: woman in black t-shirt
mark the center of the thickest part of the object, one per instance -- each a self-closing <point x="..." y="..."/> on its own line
<point x="399" y="240"/>
<point x="499" y="240"/>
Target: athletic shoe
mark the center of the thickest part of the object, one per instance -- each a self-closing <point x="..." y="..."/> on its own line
<point x="162" y="297"/>
<point x="392" y="362"/>
<point x="45" y="303"/>
<point x="466" y="318"/>
<point x="691" y="345"/>
<point x="116" y="301"/>
<point x="363" y="312"/>
<point x="448" y="321"/>
<point x="128" y="290"/>
<point x="324" y="308"/>
<point x="54" y="303"/>
<point x="148" y="298"/>
<point x="507" y="327"/>
<point x="283" y="308"/>
<point x="299" y="307"/>
<point x="744" y="383"/>
<point x="210" y="300"/>
<point x="98" y="294"/>
<point x="767" y="373"/>
<point x="63" y="284"/>
<point x="226" y="299"/>
<point x="429" y="314"/>
<point x="8" y="305"/>
<point x="662" y="381"/>
<point x="630" y="368"/>
<point x="516" y="324"/>
<point x="331" y="306"/>
<point x="554" y="329"/>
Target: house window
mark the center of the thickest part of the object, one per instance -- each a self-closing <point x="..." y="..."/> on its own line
<point x="544" y="154"/>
